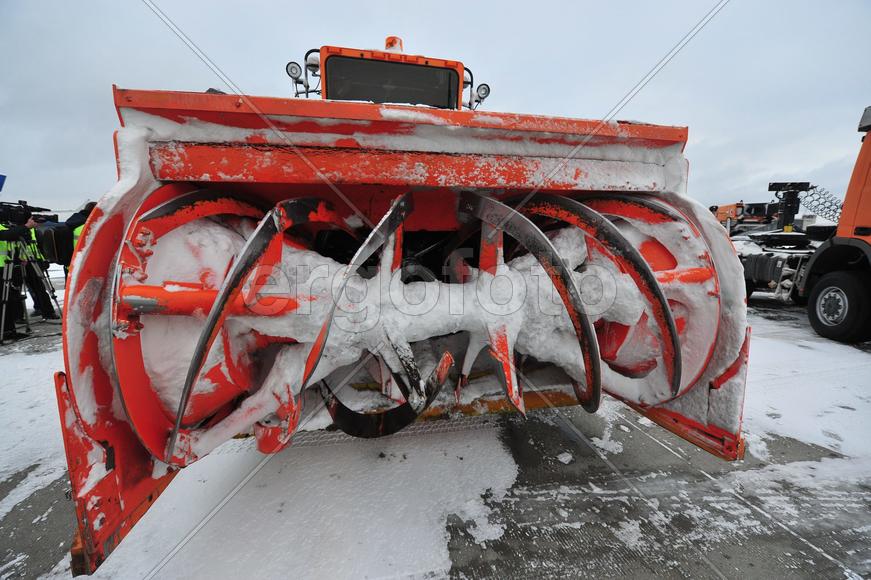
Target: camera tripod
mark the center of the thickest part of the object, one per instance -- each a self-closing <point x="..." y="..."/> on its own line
<point x="20" y="257"/>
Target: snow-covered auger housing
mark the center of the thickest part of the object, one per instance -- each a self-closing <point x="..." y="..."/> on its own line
<point x="258" y="254"/>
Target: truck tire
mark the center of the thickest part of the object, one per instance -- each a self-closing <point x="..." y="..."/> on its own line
<point x="839" y="307"/>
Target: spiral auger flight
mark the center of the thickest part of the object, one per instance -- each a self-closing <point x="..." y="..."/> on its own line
<point x="236" y="402"/>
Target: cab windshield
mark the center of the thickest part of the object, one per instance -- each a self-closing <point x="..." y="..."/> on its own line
<point x="379" y="81"/>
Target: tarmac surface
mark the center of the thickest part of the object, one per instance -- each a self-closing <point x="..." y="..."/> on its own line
<point x="657" y="509"/>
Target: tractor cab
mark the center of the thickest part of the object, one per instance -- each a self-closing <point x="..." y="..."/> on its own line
<point x="385" y="76"/>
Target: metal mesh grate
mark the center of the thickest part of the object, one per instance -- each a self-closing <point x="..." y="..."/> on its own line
<point x="822" y="202"/>
<point x="451" y="425"/>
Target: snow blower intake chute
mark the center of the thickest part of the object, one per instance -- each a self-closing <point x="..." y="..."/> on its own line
<point x="262" y="262"/>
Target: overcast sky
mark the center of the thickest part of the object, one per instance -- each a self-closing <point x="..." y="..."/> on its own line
<point x="769" y="90"/>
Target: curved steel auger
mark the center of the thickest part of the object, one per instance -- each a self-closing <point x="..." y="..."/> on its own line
<point x="672" y="275"/>
<point x="269" y="232"/>
<point x="603" y="233"/>
<point x="418" y="395"/>
<point x="134" y="298"/>
<point x="640" y="207"/>
<point x="498" y="217"/>
<point x="198" y="204"/>
<point x="383" y="423"/>
<point x="386" y="232"/>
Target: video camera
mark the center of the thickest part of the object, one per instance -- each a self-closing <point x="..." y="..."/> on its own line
<point x="18" y="213"/>
<point x="54" y="238"/>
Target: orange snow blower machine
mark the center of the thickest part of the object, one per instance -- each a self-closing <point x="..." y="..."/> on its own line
<point x="265" y="265"/>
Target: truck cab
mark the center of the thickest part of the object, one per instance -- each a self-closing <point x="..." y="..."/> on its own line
<point x="837" y="278"/>
<point x="385" y="76"/>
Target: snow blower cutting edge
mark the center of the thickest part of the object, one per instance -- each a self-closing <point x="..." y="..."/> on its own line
<point x="258" y="255"/>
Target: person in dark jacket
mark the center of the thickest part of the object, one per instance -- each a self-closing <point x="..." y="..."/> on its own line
<point x="76" y="222"/>
<point x="80" y="217"/>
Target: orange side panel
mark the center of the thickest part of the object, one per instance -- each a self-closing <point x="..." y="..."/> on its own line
<point x="856" y="213"/>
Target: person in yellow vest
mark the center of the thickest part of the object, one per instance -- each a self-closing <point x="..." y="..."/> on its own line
<point x="76" y="222"/>
<point x="77" y="233"/>
<point x="34" y="246"/>
<point x="34" y="278"/>
<point x="11" y="306"/>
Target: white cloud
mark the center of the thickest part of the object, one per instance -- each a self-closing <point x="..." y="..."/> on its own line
<point x="770" y="91"/>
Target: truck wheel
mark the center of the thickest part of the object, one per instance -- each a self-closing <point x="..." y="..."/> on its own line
<point x="840" y="306"/>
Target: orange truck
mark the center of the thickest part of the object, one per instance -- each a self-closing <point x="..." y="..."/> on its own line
<point x="741" y="217"/>
<point x="254" y="249"/>
<point x="833" y="278"/>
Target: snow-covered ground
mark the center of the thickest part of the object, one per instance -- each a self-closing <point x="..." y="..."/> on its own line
<point x="432" y="501"/>
<point x="30" y="434"/>
<point x="809" y="388"/>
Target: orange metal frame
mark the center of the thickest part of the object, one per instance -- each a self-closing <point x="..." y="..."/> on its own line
<point x="277" y="168"/>
<point x="331" y="141"/>
<point x="856" y="213"/>
<point x="246" y="112"/>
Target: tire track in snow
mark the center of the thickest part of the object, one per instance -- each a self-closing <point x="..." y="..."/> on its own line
<point x="849" y="572"/>
<point x="574" y="433"/>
